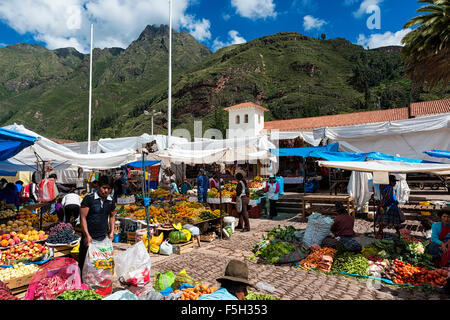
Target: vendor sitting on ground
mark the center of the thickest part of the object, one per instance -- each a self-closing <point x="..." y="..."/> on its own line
<point x="440" y="240"/>
<point x="233" y="284"/>
<point x="185" y="186"/>
<point x="342" y="228"/>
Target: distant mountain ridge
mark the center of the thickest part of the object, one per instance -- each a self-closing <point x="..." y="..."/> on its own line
<point x="291" y="74"/>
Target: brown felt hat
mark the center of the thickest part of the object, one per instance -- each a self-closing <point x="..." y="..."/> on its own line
<point x="236" y="271"/>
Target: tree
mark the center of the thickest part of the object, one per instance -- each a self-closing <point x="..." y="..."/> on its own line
<point x="426" y="52"/>
<point x="323" y="36"/>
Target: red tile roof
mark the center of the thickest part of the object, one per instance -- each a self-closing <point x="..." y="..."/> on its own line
<point x="245" y="105"/>
<point x="430" y="107"/>
<point x="338" y="120"/>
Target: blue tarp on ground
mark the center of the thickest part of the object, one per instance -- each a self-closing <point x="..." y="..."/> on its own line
<point x="304" y="152"/>
<point x="438" y="153"/>
<point x="138" y="164"/>
<point x="11" y="143"/>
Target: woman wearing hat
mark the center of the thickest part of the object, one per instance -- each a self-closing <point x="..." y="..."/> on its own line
<point x="273" y="189"/>
<point x="388" y="212"/>
<point x="234" y="283"/>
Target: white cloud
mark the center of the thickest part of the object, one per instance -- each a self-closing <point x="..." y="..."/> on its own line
<point x="233" y="37"/>
<point x="198" y="29"/>
<point x="365" y="7"/>
<point x="378" y="40"/>
<point x="116" y="22"/>
<point x="309" y="23"/>
<point x="255" y="9"/>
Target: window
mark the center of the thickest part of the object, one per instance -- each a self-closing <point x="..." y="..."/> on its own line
<point x="246" y="118"/>
<point x="238" y="119"/>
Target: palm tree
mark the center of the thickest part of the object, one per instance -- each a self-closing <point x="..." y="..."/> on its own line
<point x="426" y="52"/>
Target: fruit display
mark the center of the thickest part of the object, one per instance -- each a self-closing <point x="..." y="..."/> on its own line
<point x="26" y="215"/>
<point x="62" y="233"/>
<point x="17" y="271"/>
<point x="159" y="193"/>
<point x="23" y="252"/>
<point x="255" y="185"/>
<point x="49" y="218"/>
<point x="196" y="292"/>
<point x="406" y="273"/>
<point x="210" y="214"/>
<point x="6" y="214"/>
<point x="17" y="226"/>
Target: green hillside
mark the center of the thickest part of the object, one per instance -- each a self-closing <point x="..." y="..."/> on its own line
<point x="290" y="74"/>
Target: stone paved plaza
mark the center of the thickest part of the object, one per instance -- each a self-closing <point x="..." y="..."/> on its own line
<point x="207" y="262"/>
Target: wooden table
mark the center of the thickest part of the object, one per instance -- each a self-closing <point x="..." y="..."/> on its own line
<point x="321" y="198"/>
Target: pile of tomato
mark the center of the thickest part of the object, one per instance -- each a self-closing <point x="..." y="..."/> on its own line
<point x="407" y="273"/>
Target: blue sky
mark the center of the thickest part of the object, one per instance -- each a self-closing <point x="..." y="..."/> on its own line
<point x="215" y="23"/>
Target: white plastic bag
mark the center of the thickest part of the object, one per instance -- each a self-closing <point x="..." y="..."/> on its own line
<point x="195" y="231"/>
<point x="99" y="266"/>
<point x="317" y="229"/>
<point x="132" y="268"/>
<point x="166" y="248"/>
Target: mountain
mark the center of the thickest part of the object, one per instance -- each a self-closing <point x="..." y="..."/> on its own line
<point x="290" y="74"/>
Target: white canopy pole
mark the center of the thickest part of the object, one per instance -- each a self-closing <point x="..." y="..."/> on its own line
<point x="90" y="92"/>
<point x="170" y="75"/>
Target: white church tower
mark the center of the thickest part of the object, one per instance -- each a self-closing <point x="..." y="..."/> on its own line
<point x="245" y="120"/>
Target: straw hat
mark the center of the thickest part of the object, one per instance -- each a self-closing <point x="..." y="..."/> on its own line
<point x="236" y="271"/>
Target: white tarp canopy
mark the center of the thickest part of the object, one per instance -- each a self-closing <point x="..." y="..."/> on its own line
<point x="136" y="143"/>
<point x="307" y="136"/>
<point x="406" y="138"/>
<point x="62" y="157"/>
<point x="386" y="166"/>
<point x="218" y="151"/>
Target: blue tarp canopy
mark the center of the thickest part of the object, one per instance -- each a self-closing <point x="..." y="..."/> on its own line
<point x="304" y="152"/>
<point x="7" y="173"/>
<point x="349" y="156"/>
<point x="11" y="143"/>
<point x="138" y="164"/>
<point x="438" y="153"/>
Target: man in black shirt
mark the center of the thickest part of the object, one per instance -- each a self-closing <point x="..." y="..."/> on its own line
<point x="96" y="209"/>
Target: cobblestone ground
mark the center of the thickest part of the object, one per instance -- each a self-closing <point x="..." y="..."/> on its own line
<point x="208" y="262"/>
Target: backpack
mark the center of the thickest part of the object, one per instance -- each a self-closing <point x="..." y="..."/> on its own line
<point x="25" y="192"/>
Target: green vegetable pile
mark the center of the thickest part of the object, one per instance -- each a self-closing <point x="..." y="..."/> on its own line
<point x="274" y="251"/>
<point x="285" y="234"/>
<point x="351" y="263"/>
<point x="399" y="248"/>
<point x="257" y="296"/>
<point x="79" y="295"/>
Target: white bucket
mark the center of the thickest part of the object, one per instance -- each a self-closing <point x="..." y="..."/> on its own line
<point x="229" y="222"/>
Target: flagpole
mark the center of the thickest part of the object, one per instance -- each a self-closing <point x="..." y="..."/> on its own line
<point x="90" y="91"/>
<point x="170" y="75"/>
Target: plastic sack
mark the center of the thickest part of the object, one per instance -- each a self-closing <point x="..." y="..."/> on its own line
<point x="182" y="278"/>
<point x="164" y="280"/>
<point x="132" y="268"/>
<point x="53" y="278"/>
<point x="317" y="229"/>
<point x="99" y="266"/>
<point x="47" y="190"/>
<point x="166" y="248"/>
<point x="195" y="231"/>
<point x="122" y="295"/>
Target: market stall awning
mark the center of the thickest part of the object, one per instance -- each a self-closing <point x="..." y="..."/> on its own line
<point x="352" y="156"/>
<point x="62" y="157"/>
<point x="11" y="143"/>
<point x="138" y="164"/>
<point x="438" y="153"/>
<point x="304" y="152"/>
<point x="386" y="166"/>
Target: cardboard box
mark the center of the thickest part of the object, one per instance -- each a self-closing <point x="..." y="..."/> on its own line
<point x="19" y="282"/>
